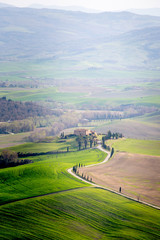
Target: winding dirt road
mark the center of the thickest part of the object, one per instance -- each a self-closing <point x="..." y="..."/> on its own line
<point x="93" y="185"/>
<point x="101" y="187"/>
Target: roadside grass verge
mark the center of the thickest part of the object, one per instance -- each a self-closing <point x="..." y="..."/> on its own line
<point x="46" y="175"/>
<point x="79" y="214"/>
<point x="147" y="147"/>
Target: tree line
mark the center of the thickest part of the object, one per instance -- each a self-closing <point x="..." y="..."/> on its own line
<point x="118" y="112"/>
<point x="76" y="171"/>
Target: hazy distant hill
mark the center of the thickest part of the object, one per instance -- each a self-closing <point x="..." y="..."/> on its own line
<point x="108" y="39"/>
<point x="68" y="8"/>
<point x="147" y="11"/>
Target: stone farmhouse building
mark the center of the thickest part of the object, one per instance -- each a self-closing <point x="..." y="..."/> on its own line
<point x="84" y="132"/>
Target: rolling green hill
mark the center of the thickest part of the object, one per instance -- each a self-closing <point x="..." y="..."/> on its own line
<point x="46" y="175"/>
<point x="79" y="214"/>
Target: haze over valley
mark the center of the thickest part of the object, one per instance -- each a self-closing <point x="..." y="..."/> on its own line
<point x="79" y="120"/>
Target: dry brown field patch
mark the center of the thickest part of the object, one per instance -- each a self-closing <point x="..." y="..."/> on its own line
<point x="138" y="175"/>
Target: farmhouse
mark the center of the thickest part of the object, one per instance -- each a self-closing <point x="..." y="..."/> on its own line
<point x="84" y="132"/>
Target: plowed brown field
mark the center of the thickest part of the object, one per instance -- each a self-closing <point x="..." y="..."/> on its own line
<point x="138" y="175"/>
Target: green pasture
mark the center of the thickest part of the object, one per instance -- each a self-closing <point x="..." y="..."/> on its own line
<point x="56" y="145"/>
<point x="78" y="99"/>
<point x="79" y="214"/>
<point x="46" y="175"/>
<point x="149" y="100"/>
<point x="40" y="94"/>
<point x="148" y="147"/>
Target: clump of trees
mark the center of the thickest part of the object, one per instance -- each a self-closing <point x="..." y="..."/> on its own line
<point x="28" y="124"/>
<point x="84" y="141"/>
<point x="108" y="136"/>
<point x="9" y="158"/>
<point x="17" y="126"/>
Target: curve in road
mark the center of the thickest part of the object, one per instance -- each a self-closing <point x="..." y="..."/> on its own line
<point x="104" y="188"/>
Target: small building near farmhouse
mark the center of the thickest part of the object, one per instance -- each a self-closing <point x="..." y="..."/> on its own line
<point x="84" y="132"/>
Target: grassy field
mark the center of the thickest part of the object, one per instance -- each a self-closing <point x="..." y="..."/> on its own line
<point x="108" y="93"/>
<point x="148" y="147"/>
<point x="47" y="174"/>
<point x="79" y="214"/>
<point x="55" y="145"/>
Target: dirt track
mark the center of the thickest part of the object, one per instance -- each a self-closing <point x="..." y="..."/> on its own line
<point x="138" y="176"/>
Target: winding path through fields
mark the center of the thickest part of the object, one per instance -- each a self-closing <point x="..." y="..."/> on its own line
<point x="93" y="185"/>
<point x="101" y="187"/>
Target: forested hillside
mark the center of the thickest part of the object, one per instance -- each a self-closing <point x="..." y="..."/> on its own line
<point x="11" y="110"/>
